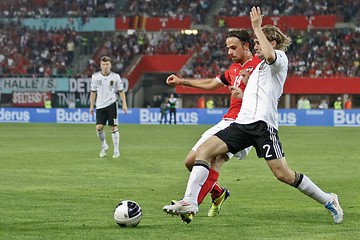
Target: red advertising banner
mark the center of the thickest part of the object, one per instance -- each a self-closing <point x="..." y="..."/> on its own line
<point x="161" y="23"/>
<point x="195" y="91"/>
<point x="152" y="24"/>
<point x="322" y="86"/>
<point x="298" y="86"/>
<point x="30" y="99"/>
<point x="170" y="23"/>
<point x="122" y="23"/>
<point x="283" y="22"/>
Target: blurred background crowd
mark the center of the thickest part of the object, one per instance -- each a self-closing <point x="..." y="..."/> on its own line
<point x="25" y="51"/>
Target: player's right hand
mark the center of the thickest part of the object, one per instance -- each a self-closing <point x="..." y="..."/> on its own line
<point x="172" y="80"/>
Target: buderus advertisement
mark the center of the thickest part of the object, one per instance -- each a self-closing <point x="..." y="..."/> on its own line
<point x="287" y="117"/>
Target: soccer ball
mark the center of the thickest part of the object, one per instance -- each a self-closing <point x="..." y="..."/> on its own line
<point x="128" y="214"/>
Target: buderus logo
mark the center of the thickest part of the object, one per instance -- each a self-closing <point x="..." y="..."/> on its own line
<point x="14" y="115"/>
<point x="215" y="111"/>
<point x="151" y="117"/>
<point x="345" y="118"/>
<point x="287" y="119"/>
<point x="77" y="116"/>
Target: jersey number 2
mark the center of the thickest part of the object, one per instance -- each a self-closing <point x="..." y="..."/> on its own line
<point x="267" y="148"/>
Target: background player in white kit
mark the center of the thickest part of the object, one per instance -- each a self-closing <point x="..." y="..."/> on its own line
<point x="105" y="85"/>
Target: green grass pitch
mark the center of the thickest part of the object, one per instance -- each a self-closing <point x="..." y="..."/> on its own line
<point x="53" y="185"/>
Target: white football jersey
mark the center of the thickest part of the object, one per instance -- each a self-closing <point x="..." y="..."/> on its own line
<point x="106" y="88"/>
<point x="263" y="90"/>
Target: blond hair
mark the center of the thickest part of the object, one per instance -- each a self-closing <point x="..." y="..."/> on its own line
<point x="273" y="33"/>
<point x="105" y="59"/>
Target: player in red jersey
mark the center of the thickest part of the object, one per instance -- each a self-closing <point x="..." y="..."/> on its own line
<point x="238" y="43"/>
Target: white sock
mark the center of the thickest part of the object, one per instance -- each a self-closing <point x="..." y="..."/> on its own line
<point x="116" y="139"/>
<point x="102" y="138"/>
<point x="197" y="178"/>
<point x="309" y="188"/>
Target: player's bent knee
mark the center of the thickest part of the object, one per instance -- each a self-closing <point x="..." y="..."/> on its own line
<point x="114" y="129"/>
<point x="190" y="160"/>
<point x="189" y="168"/>
<point x="189" y="165"/>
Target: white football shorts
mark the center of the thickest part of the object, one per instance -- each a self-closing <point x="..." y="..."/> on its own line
<point x="224" y="123"/>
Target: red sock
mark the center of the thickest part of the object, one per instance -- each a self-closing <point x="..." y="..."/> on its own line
<point x="216" y="191"/>
<point x="208" y="185"/>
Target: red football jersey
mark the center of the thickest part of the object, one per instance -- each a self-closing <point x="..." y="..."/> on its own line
<point x="231" y="77"/>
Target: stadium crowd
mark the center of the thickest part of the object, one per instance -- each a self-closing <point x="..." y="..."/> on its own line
<point x="314" y="53"/>
<point x="56" y="8"/>
<point x="196" y="9"/>
<point x="36" y="52"/>
<point x="26" y="51"/>
<point x="123" y="48"/>
<point x="325" y="53"/>
<point x="345" y="9"/>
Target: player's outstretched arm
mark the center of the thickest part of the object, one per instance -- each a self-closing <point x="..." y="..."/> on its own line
<point x="206" y="83"/>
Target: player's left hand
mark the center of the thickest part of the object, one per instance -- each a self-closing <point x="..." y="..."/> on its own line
<point x="236" y="92"/>
<point x="245" y="74"/>
<point x="256" y="17"/>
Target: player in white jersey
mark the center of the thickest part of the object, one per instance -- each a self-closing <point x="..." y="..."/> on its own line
<point x="256" y="125"/>
<point x="105" y="85"/>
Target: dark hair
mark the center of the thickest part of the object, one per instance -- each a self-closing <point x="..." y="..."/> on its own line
<point x="242" y="35"/>
<point x="105" y="59"/>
